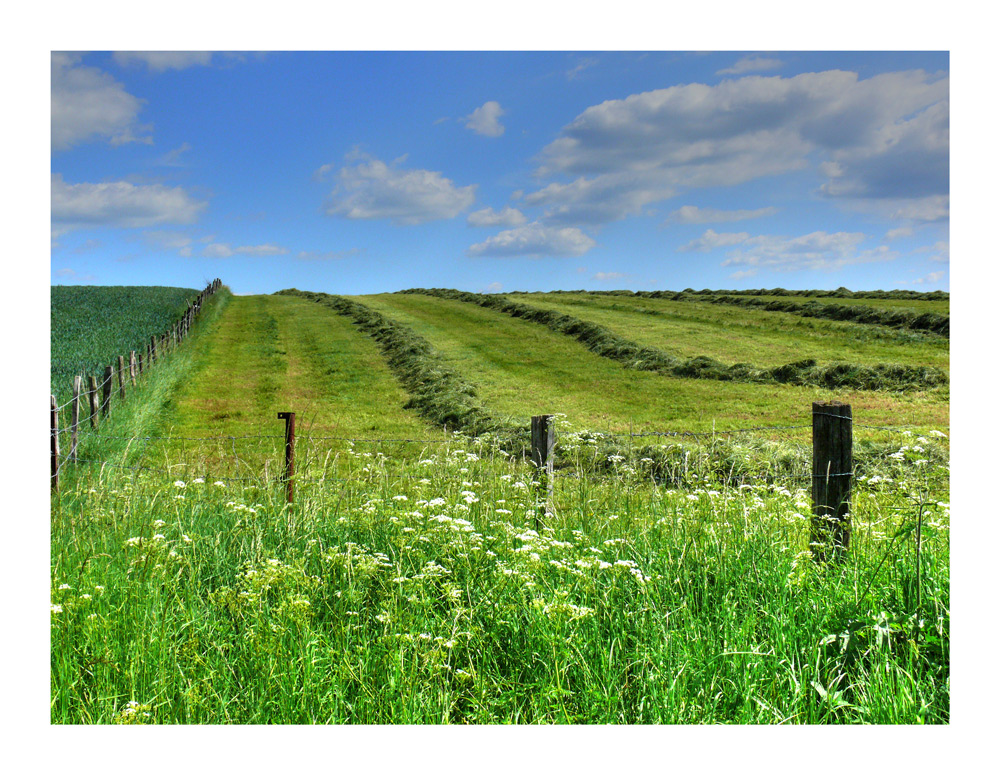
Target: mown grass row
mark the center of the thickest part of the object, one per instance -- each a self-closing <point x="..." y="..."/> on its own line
<point x="444" y="398"/>
<point x="437" y="392"/>
<point x="864" y="314"/>
<point x="605" y="343"/>
<point x="840" y="293"/>
<point x="913" y="321"/>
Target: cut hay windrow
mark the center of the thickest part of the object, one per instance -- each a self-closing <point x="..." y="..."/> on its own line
<point x="601" y="341"/>
<point x="437" y="392"/>
<point x="863" y="314"/>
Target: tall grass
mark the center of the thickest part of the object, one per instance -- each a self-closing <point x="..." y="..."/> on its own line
<point x="429" y="592"/>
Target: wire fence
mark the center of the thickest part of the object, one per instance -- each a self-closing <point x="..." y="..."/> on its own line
<point x="226" y="458"/>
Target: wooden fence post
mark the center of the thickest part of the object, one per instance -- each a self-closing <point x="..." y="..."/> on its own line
<point x="54" y="426"/>
<point x="152" y="350"/>
<point x="832" y="475"/>
<point x="543" y="442"/>
<point x="121" y="377"/>
<point x="106" y="391"/>
<point x="75" y="421"/>
<point x="132" y="366"/>
<point x="92" y="395"/>
<point x="289" y="418"/>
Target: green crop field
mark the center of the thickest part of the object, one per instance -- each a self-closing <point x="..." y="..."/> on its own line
<point x="424" y="575"/>
<point x="93" y="324"/>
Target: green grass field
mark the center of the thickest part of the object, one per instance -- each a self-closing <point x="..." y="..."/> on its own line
<point x="734" y="334"/>
<point x="522" y="368"/>
<point x="429" y="582"/>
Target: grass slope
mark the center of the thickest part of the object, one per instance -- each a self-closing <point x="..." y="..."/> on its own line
<point x="632" y="355"/>
<point x="686" y="329"/>
<point x="520" y="368"/>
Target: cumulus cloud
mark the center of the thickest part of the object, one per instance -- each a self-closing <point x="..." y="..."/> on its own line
<point x="902" y="231"/>
<point x="603" y="199"/>
<point x="534" y="239"/>
<point x="751" y="64"/>
<point x="173" y="158"/>
<point x="940" y="251"/>
<point x="711" y="240"/>
<point x="224" y="250"/>
<point x="120" y="204"/>
<point x="87" y="104"/>
<point x="158" y="61"/>
<point x="816" y="251"/>
<point x="582" y="65"/>
<point x="374" y="189"/>
<point x="509" y="216"/>
<point x="883" y="138"/>
<point x="486" y="120"/>
<point x="692" y="214"/>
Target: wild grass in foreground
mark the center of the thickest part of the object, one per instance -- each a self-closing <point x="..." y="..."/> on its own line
<point x="427" y="592"/>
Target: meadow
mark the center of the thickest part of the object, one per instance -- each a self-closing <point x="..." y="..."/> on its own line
<point x="429" y="580"/>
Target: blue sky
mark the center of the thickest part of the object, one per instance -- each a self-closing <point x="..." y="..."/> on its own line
<point x="361" y="172"/>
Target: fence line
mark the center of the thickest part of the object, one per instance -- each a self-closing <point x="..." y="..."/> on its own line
<point x="125" y="367"/>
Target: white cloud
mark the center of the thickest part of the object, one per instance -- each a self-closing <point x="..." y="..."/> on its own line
<point x="534" y="239"/>
<point x="120" y="204"/>
<point x="173" y="158"/>
<point x="902" y="231"/>
<point x="224" y="250"/>
<point x="509" y="216"/>
<point x="486" y="120"/>
<point x="582" y="65"/>
<point x="603" y="199"/>
<point x="374" y="189"/>
<point x="692" y="214"/>
<point x="493" y="287"/>
<point x="933" y="277"/>
<point x="940" y="251"/>
<point x="711" y="240"/>
<point x="751" y="64"/>
<point x="816" y="251"/>
<point x="87" y="104"/>
<point x="883" y="138"/>
<point x="158" y="61"/>
<point x="605" y="277"/>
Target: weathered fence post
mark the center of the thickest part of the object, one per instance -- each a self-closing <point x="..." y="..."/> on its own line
<point x="92" y="396"/>
<point x="106" y="391"/>
<point x="133" y="366"/>
<point x="121" y="377"/>
<point x="543" y="442"/>
<point x="289" y="418"/>
<point x="833" y="463"/>
<point x="54" y="425"/>
<point x="152" y="350"/>
<point x="75" y="421"/>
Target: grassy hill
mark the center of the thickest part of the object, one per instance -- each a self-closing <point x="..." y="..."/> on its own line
<point x="434" y="580"/>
